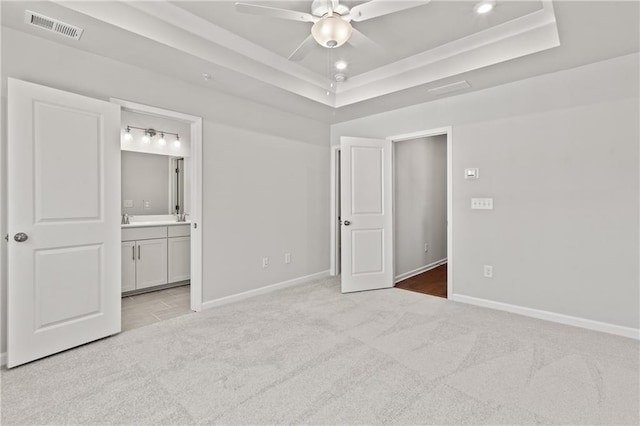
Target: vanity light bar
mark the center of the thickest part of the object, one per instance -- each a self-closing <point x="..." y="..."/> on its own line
<point x="150" y="133"/>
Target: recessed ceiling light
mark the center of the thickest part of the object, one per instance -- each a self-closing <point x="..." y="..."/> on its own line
<point x="341" y="65"/>
<point x="484" y="7"/>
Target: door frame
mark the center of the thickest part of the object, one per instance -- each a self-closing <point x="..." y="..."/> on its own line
<point x="334" y="262"/>
<point x="196" y="187"/>
<point x="335" y="227"/>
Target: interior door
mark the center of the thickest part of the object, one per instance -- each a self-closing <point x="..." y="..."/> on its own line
<point x="63" y="221"/>
<point x="366" y="214"/>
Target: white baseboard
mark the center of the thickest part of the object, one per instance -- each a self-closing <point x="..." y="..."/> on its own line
<point x="632" y="333"/>
<point x="262" y="290"/>
<point x="420" y="270"/>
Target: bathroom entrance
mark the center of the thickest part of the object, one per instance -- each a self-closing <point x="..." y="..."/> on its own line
<point x="158" y="226"/>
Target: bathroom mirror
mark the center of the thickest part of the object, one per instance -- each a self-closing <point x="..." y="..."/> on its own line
<point x="152" y="184"/>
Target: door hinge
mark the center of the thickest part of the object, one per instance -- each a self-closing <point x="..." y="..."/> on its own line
<point x="6" y="238"/>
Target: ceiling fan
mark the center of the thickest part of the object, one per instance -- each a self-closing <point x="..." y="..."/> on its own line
<point x="332" y="21"/>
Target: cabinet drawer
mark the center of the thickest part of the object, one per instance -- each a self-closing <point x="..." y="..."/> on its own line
<point x="131" y="234"/>
<point x="179" y="231"/>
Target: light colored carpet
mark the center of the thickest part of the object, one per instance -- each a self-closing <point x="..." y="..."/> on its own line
<point x="309" y="354"/>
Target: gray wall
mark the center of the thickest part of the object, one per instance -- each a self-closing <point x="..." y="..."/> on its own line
<point x="145" y="177"/>
<point x="265" y="171"/>
<point x="559" y="155"/>
<point x="420" y="202"/>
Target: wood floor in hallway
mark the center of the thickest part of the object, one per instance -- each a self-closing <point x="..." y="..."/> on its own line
<point x="432" y="282"/>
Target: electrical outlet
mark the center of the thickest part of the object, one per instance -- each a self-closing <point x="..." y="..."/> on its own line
<point x="488" y="271"/>
<point x="287" y="258"/>
<point x="426" y="247"/>
<point x="146" y="204"/>
<point x="482" y="203"/>
<point x="265" y="262"/>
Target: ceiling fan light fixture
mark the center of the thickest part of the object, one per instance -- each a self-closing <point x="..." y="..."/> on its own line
<point x="341" y="65"/>
<point x="331" y="31"/>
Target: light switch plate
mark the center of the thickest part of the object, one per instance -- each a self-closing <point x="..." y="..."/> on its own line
<point x="471" y="173"/>
<point x="482" y="203"/>
<point x="128" y="203"/>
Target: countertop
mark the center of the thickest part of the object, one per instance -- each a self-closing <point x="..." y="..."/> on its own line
<point x="154" y="223"/>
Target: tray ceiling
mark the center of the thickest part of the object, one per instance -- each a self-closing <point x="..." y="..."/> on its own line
<point x="418" y="45"/>
<point x="434" y="44"/>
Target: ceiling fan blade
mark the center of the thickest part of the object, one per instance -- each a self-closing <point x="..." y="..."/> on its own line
<point x="303" y="49"/>
<point x="361" y="41"/>
<point x="374" y="8"/>
<point x="274" y="12"/>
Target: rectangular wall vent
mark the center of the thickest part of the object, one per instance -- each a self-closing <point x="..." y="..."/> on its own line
<point x="53" y="25"/>
<point x="448" y="88"/>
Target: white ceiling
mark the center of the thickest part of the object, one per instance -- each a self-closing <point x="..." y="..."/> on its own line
<point x="420" y="48"/>
<point x="398" y="35"/>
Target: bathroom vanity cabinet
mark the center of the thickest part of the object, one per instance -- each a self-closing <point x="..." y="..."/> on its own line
<point x="154" y="256"/>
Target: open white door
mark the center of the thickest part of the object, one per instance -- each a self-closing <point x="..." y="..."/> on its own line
<point x="63" y="221"/>
<point x="366" y="208"/>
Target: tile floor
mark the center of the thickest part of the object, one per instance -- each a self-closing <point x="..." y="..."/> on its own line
<point x="148" y="308"/>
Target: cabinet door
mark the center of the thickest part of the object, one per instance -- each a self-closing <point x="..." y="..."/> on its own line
<point x="179" y="259"/>
<point x="151" y="266"/>
<point x="128" y="266"/>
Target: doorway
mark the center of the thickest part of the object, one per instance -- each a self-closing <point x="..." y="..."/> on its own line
<point x="337" y="192"/>
<point x="164" y="146"/>
<point x="64" y="212"/>
<point x="420" y="214"/>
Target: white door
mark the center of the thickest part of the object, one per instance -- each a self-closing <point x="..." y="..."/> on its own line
<point x="366" y="208"/>
<point x="63" y="221"/>
<point x="151" y="266"/>
<point x="128" y="265"/>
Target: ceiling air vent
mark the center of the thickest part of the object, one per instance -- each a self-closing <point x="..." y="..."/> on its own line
<point x="53" y="25"/>
<point x="448" y="88"/>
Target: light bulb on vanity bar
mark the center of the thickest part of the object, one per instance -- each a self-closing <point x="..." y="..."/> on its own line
<point x="128" y="136"/>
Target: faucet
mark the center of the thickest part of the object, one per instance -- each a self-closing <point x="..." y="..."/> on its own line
<point x="182" y="217"/>
<point x="125" y="219"/>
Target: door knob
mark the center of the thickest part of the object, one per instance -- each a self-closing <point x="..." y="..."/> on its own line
<point x="21" y="237"/>
<point x="347" y="223"/>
